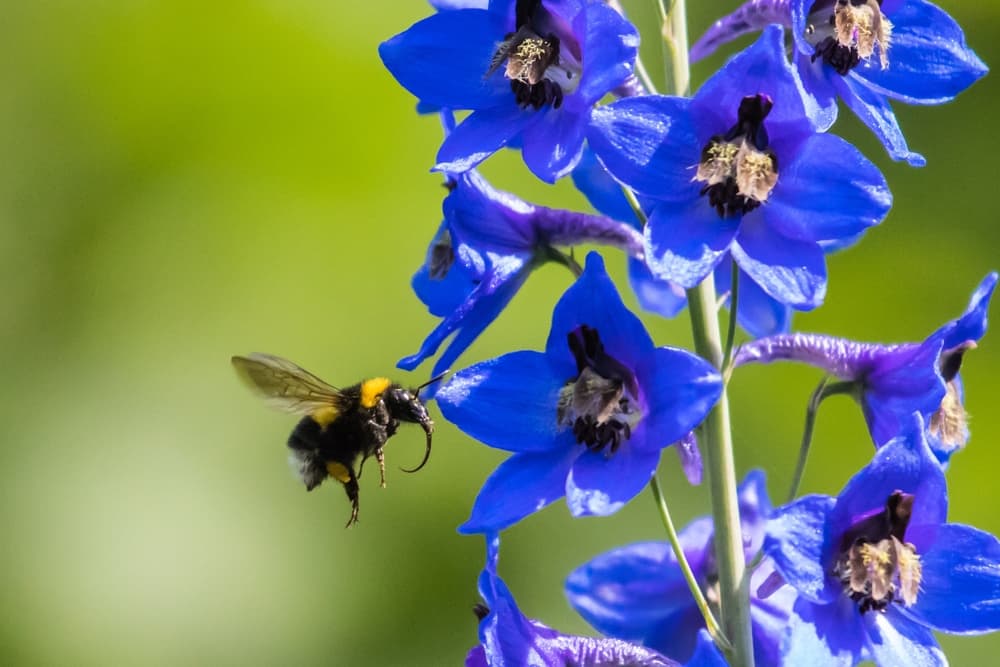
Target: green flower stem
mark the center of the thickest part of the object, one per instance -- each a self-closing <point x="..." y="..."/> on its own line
<point x="696" y="592"/>
<point x="716" y="432"/>
<point x="716" y="435"/>
<point x="734" y="300"/>
<point x="822" y="391"/>
<point x="674" y="32"/>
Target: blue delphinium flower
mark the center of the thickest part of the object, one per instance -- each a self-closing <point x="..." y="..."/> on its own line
<point x="530" y="72"/>
<point x="587" y="418"/>
<point x="740" y="168"/>
<point x="639" y="594"/>
<point x="894" y="381"/>
<point x="864" y="51"/>
<point x="509" y="639"/>
<point x="877" y="569"/>
<point x="756" y="312"/>
<point x="488" y="244"/>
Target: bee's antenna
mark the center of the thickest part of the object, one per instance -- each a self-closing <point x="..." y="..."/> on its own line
<point x="436" y="378"/>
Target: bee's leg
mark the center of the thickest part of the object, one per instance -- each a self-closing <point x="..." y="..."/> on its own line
<point x="380" y="457"/>
<point x="351" y="487"/>
<point x="345" y="475"/>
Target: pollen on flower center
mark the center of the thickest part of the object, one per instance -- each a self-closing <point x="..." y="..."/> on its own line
<point x="875" y="566"/>
<point x="738" y="168"/>
<point x="539" y="72"/>
<point x="845" y="32"/>
<point x="601" y="402"/>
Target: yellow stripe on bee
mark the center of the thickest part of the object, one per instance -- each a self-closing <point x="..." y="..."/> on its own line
<point x="325" y="416"/>
<point x="372" y="390"/>
<point x="338" y="471"/>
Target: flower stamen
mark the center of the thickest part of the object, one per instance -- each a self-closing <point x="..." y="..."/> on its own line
<point x="738" y="168"/>
<point x="849" y="34"/>
<point x="600" y="403"/>
<point x="876" y="567"/>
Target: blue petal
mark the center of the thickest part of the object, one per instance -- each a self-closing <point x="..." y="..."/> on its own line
<point x="603" y="192"/>
<point x="761" y="68"/>
<point x="929" y="61"/>
<point x="793" y="272"/>
<point x="905" y="464"/>
<point x="795" y="541"/>
<point x="960" y="582"/>
<point x="755" y="507"/>
<point x="628" y="592"/>
<point x="895" y="640"/>
<point x="601" y="484"/>
<point x="443" y="295"/>
<point x="830" y="635"/>
<point x="442" y="59"/>
<point x="972" y="325"/>
<point x="904" y="380"/>
<point x="553" y="144"/>
<point x="649" y="143"/>
<point x="481" y="306"/>
<point x="522" y="485"/>
<point x="481" y="135"/>
<point x="680" y="388"/>
<point x="758" y="313"/>
<point x="488" y="219"/>
<point x="686" y="239"/>
<point x="820" y="93"/>
<point x="443" y="5"/>
<point x="690" y="458"/>
<point x="654" y="294"/>
<point x="610" y="44"/>
<point x="482" y="397"/>
<point x="707" y="654"/>
<point x="594" y="301"/>
<point x="875" y="112"/>
<point x="829" y="190"/>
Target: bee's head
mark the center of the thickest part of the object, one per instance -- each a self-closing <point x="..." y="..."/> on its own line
<point x="406" y="406"/>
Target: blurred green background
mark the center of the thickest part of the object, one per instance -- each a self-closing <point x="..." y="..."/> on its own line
<point x="182" y="181"/>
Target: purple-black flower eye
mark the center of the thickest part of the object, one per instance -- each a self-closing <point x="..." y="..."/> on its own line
<point x="875" y="565"/>
<point x="540" y="72"/>
<point x="738" y="168"/>
<point x="845" y="32"/>
<point x="440" y="255"/>
<point x="601" y="402"/>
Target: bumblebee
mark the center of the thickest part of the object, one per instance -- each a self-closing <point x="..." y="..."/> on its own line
<point x="338" y="426"/>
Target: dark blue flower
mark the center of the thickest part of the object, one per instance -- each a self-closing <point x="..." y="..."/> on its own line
<point x="741" y="169"/>
<point x="894" y="381"/>
<point x="877" y="569"/>
<point x="509" y="639"/>
<point x="488" y="244"/>
<point x="530" y="72"/>
<point x="865" y="52"/>
<point x="587" y="418"/>
<point x="638" y="593"/>
<point x="757" y="312"/>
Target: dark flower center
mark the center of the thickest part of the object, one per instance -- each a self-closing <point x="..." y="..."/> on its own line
<point x="601" y="402"/>
<point x="738" y="168"/>
<point x="845" y="32"/>
<point x="440" y="256"/>
<point x="875" y="566"/>
<point x="950" y="424"/>
<point x="537" y="72"/>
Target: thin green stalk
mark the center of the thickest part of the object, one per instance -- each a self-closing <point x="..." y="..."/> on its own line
<point x="716" y="431"/>
<point x="640" y="215"/>
<point x="734" y="299"/>
<point x="822" y="391"/>
<point x="677" y="71"/>
<point x="720" y="466"/>
<point x="696" y="592"/>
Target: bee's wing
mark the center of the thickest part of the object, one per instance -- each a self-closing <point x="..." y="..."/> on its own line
<point x="285" y="386"/>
